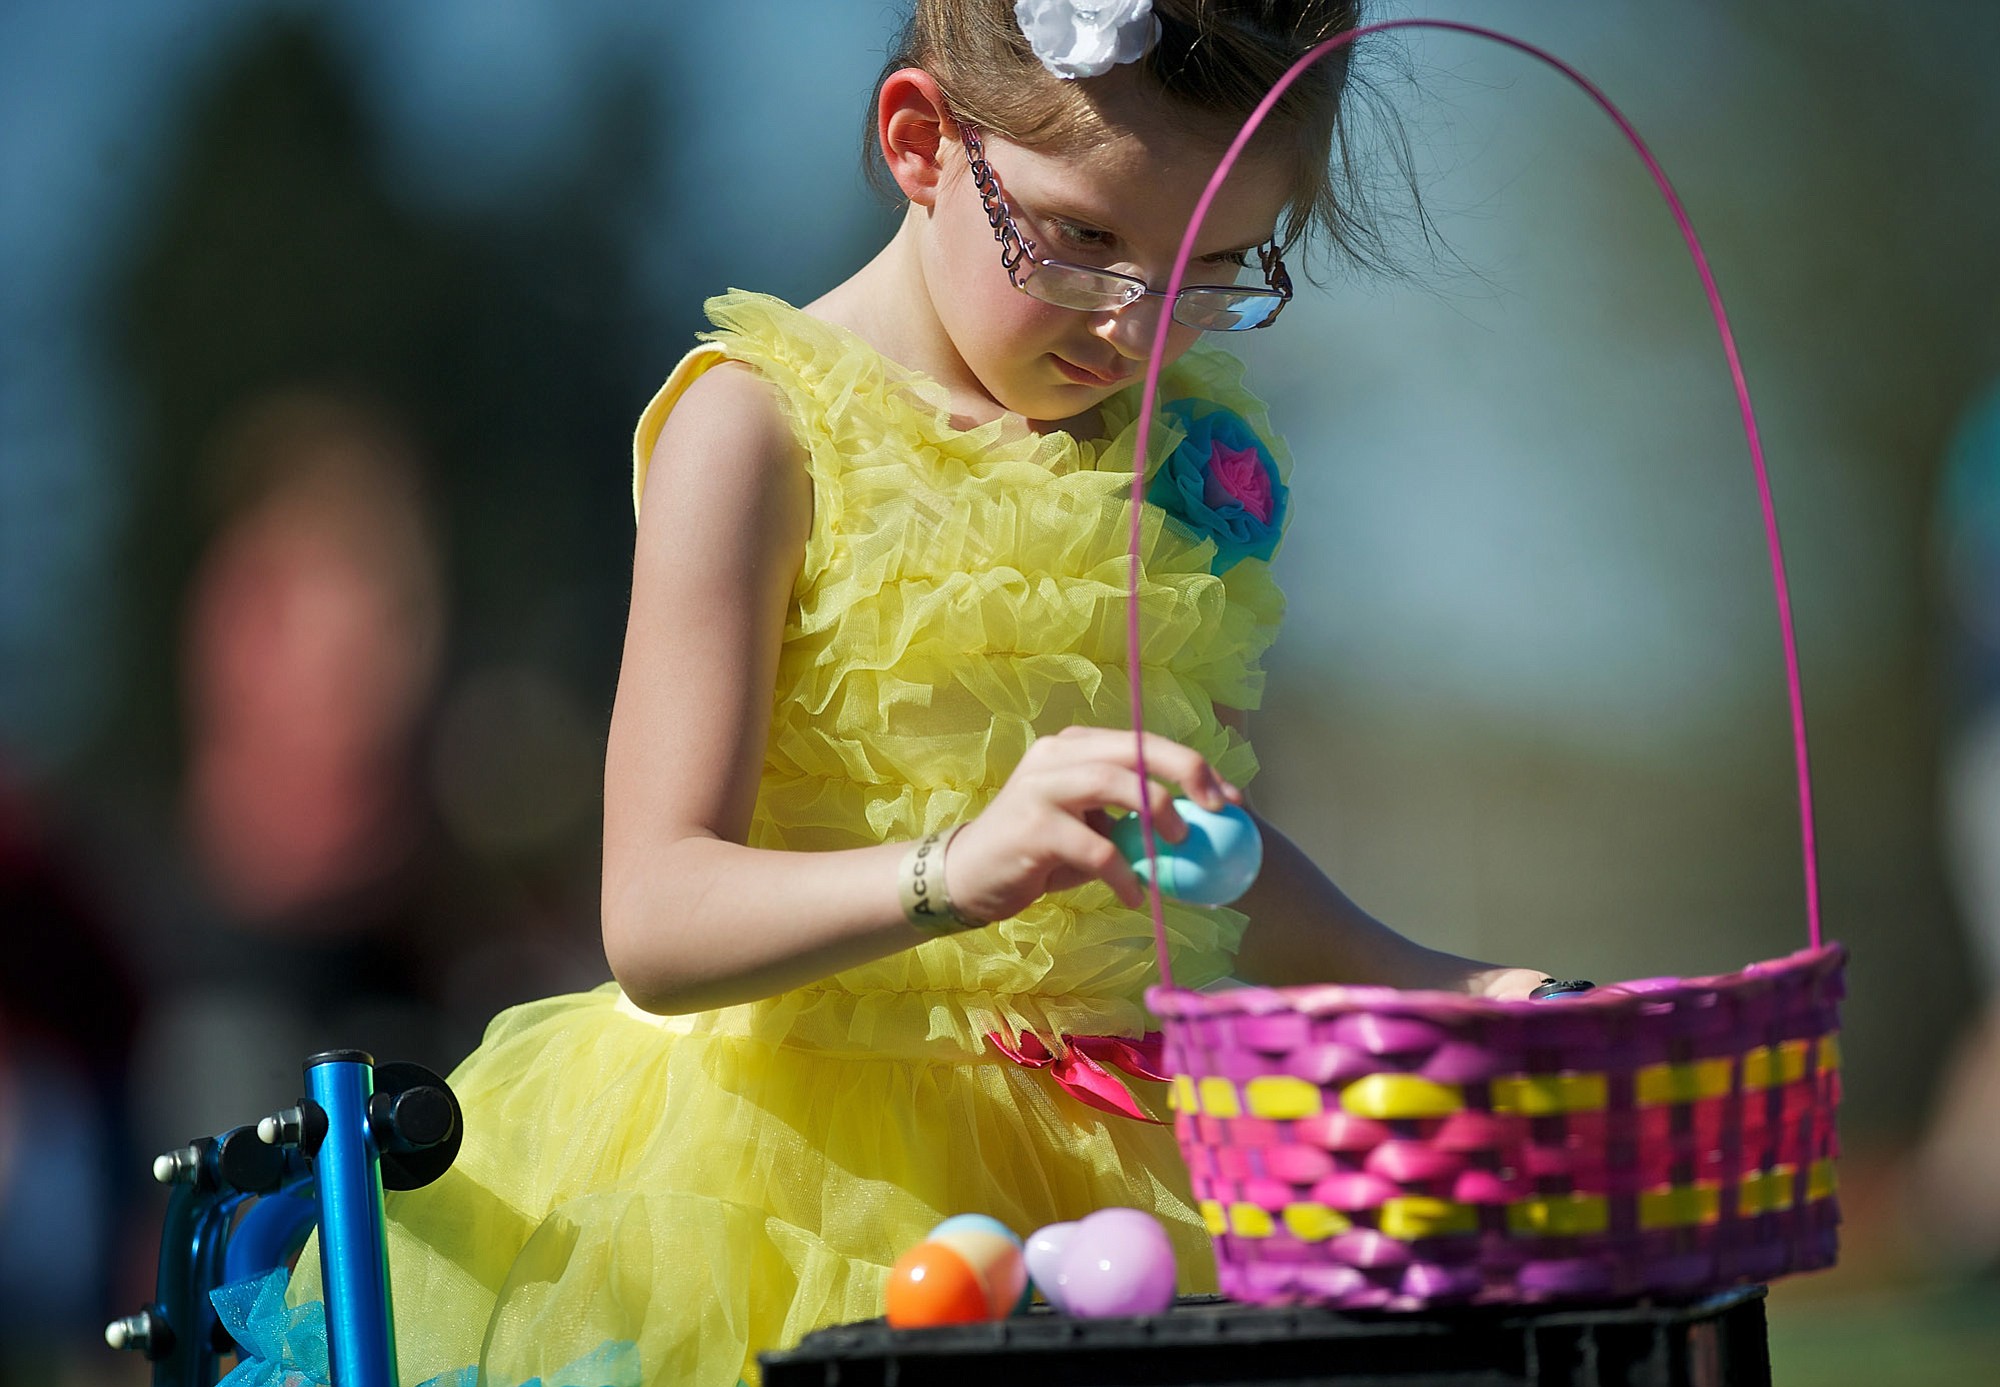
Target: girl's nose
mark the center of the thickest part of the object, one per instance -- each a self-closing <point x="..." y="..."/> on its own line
<point x="1130" y="329"/>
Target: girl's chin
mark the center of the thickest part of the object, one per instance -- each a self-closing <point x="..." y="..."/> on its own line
<point x="1049" y="400"/>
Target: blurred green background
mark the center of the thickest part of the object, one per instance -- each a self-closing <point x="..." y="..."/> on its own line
<point x="322" y="330"/>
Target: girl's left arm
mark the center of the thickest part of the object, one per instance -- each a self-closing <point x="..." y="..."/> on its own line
<point x="1304" y="929"/>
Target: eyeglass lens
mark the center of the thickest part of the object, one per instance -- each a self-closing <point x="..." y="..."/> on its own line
<point x="1210" y="308"/>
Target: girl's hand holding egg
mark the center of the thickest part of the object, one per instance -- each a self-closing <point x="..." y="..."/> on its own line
<point x="1215" y="863"/>
<point x="1047" y="829"/>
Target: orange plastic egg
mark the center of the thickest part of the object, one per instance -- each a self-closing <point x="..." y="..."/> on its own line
<point x="932" y="1284"/>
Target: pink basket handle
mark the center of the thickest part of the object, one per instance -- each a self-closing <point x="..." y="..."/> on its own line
<point x="1150" y="394"/>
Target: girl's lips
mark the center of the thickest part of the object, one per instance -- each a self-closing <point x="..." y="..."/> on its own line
<point x="1082" y="376"/>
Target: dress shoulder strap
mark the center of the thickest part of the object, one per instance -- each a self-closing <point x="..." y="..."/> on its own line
<point x="654" y="417"/>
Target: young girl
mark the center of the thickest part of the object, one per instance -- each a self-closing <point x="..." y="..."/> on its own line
<point x="879" y="598"/>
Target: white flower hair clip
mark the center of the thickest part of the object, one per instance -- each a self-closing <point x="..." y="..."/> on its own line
<point x="1087" y="38"/>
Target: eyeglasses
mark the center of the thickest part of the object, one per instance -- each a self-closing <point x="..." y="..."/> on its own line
<point x="1210" y="307"/>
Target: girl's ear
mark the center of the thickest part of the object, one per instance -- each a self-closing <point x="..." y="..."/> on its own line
<point x="916" y="129"/>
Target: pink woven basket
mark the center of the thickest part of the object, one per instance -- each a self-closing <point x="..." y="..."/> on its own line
<point x="1366" y="1148"/>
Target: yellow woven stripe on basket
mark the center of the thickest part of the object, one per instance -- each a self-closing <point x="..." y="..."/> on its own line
<point x="1558" y="1215"/>
<point x="1283" y="1097"/>
<point x="1770" y="1191"/>
<point x="1312" y="1223"/>
<point x="1829" y="1052"/>
<point x="1658" y="1084"/>
<point x="1250" y="1220"/>
<point x="1421" y="1216"/>
<point x="1279" y="1097"/>
<point x="1307" y="1221"/>
<point x="1766" y="1191"/>
<point x="1763" y="1067"/>
<point x="1545" y="1095"/>
<point x="1680" y="1206"/>
<point x="1413" y="1217"/>
<point x="1391" y="1096"/>
<point x="1218" y="1098"/>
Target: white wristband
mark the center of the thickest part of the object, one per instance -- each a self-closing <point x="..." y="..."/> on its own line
<point x="926" y="903"/>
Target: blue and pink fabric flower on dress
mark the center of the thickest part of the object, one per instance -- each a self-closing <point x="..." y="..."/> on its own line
<point x="1221" y="483"/>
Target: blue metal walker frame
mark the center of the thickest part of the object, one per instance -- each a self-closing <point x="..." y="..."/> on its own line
<point x="358" y="1128"/>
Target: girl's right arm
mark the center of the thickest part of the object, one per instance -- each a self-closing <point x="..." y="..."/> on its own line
<point x="694" y="919"/>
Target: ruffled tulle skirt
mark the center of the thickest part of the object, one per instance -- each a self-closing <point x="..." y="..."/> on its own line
<point x="704" y="1192"/>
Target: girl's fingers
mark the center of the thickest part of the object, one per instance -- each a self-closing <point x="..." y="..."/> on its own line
<point x="1165" y="759"/>
<point x="1094" y="785"/>
<point x="1048" y="828"/>
<point x="1184" y="766"/>
<point x="1094" y="855"/>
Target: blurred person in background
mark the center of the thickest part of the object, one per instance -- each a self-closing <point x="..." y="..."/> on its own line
<point x="308" y="899"/>
<point x="312" y="643"/>
<point x="1957" y="1168"/>
<point x="354" y="800"/>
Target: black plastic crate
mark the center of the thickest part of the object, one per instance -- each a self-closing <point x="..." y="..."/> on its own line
<point x="1716" y="1342"/>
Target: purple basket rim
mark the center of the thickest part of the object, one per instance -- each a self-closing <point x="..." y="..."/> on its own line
<point x="1177" y="1003"/>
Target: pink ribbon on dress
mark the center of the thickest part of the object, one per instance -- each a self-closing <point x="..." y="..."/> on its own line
<point x="1081" y="1067"/>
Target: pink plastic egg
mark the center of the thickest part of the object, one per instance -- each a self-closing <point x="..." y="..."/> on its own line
<point x="1044" y="1256"/>
<point x="1117" y="1262"/>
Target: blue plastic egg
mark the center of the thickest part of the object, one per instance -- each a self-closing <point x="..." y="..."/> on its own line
<point x="975" y="1223"/>
<point x="1214" y="865"/>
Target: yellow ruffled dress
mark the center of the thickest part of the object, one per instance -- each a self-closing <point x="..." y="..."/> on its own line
<point x="716" y="1185"/>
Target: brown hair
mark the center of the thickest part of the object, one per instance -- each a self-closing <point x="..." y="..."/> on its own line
<point x="1216" y="59"/>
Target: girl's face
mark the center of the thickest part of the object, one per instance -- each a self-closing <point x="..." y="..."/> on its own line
<point x="1123" y="206"/>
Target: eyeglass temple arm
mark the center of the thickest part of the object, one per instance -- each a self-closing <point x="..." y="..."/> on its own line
<point x="1014" y="247"/>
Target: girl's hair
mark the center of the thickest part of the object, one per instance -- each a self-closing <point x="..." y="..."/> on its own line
<point x="1216" y="59"/>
